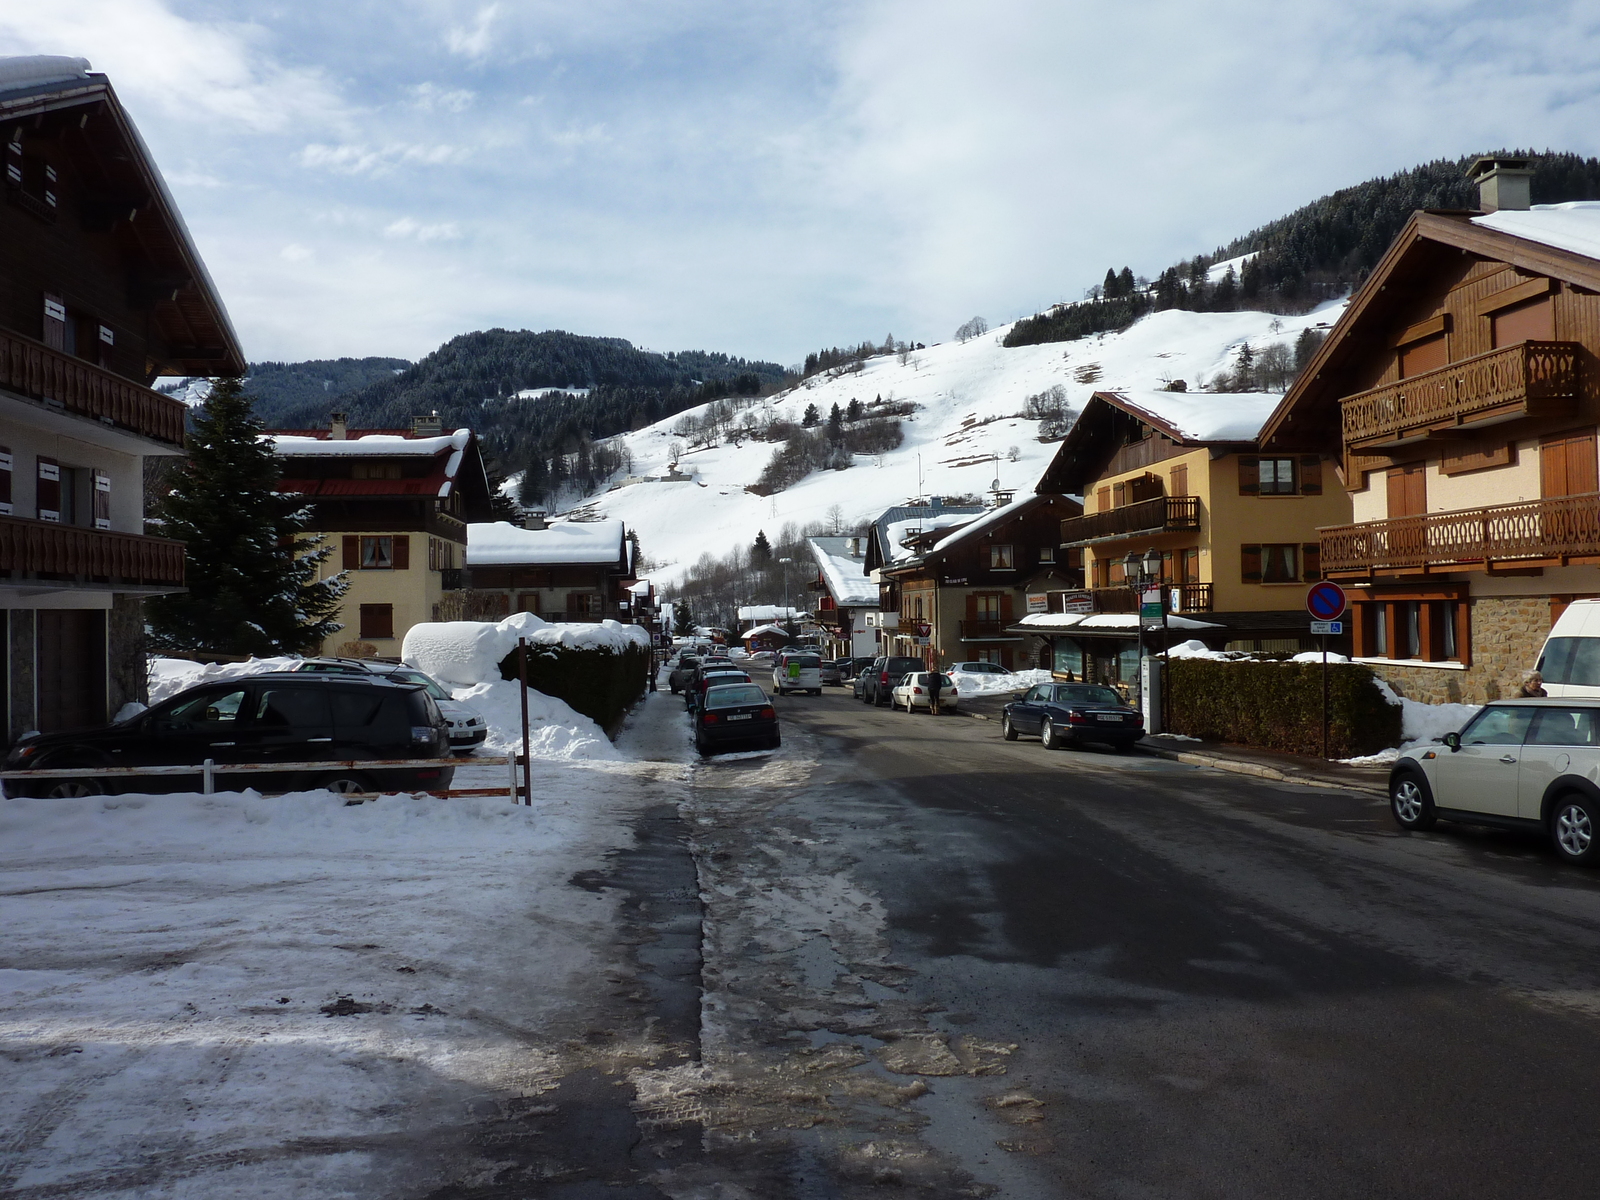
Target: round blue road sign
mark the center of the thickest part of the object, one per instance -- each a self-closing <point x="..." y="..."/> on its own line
<point x="1325" y="600"/>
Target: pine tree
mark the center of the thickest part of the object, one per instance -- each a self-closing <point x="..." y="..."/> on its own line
<point x="761" y="552"/>
<point x="811" y="417"/>
<point x="682" y="618"/>
<point x="1108" y="289"/>
<point x="251" y="568"/>
<point x="1125" y="284"/>
<point x="835" y="430"/>
<point x="852" y="411"/>
<point x="535" y="483"/>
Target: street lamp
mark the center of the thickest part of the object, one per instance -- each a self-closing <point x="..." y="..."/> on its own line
<point x="786" y="561"/>
<point x="1140" y="574"/>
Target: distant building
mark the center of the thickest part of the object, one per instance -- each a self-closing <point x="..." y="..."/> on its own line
<point x="567" y="571"/>
<point x="846" y="596"/>
<point x="756" y="614"/>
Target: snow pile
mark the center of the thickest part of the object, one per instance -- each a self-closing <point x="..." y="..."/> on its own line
<point x="555" y="731"/>
<point x="469" y="652"/>
<point x="169" y="676"/>
<point x="987" y="684"/>
<point x="496" y="542"/>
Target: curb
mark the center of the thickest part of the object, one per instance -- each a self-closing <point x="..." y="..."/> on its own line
<point x="1259" y="770"/>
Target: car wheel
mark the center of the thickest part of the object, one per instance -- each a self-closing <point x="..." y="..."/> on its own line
<point x="674" y="688"/>
<point x="346" y="785"/>
<point x="1007" y="729"/>
<point x="775" y="741"/>
<point x="1575" y="828"/>
<point x="1048" y="736"/>
<point x="1410" y="802"/>
<point x="68" y="789"/>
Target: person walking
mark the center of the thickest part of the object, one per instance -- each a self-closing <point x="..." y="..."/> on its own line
<point x="935" y="686"/>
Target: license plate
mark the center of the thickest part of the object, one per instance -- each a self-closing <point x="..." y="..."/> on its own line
<point x="740" y="717"/>
<point x="1108" y="717"/>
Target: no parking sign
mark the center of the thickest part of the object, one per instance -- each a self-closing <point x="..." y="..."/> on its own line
<point x="1325" y="601"/>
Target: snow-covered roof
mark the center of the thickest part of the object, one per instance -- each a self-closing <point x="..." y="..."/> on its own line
<point x="291" y="445"/>
<point x="760" y="629"/>
<point x="495" y="543"/>
<point x="1058" y="622"/>
<point x="896" y="532"/>
<point x="995" y="516"/>
<point x="767" y="612"/>
<point x="1573" y="226"/>
<point x="845" y="572"/>
<point x="1202" y="416"/>
<point x="32" y="70"/>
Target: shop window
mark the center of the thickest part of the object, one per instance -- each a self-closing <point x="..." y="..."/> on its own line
<point x="377" y="621"/>
<point x="1068" y="658"/>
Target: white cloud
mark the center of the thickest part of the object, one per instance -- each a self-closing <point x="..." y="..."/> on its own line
<point x="430" y="96"/>
<point x="357" y="159"/>
<point x="408" y="227"/>
<point x="294" y="252"/>
<point x="473" y="42"/>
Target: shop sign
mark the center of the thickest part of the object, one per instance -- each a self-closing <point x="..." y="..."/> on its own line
<point x="1038" y="602"/>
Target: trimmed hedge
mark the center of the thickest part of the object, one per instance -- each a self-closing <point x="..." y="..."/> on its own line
<point x="601" y="683"/>
<point x="1278" y="706"/>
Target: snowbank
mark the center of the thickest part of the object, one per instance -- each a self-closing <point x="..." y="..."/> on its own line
<point x="974" y="684"/>
<point x="169" y="676"/>
<point x="469" y="652"/>
<point x="555" y="731"/>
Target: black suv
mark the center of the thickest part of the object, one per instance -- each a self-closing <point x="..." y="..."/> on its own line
<point x="275" y="717"/>
<point x="881" y="677"/>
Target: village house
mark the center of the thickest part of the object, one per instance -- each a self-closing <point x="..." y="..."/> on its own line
<point x="964" y="586"/>
<point x="566" y="571"/>
<point x="1176" y="487"/>
<point x="846" y="597"/>
<point x="1461" y="389"/>
<point x="889" y="541"/>
<point x="101" y="291"/>
<point x="396" y="504"/>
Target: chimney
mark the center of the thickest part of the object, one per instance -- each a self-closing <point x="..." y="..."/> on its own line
<point x="535" y="519"/>
<point x="431" y="425"/>
<point x="1503" y="184"/>
<point x="338" y="432"/>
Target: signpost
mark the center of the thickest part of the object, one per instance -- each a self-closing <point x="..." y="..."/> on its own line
<point x="1325" y="602"/>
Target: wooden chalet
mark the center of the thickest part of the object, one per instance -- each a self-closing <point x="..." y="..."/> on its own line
<point x="396" y="504"/>
<point x="1461" y="392"/>
<point x="845" y="596"/>
<point x="562" y="571"/>
<point x="101" y="291"/>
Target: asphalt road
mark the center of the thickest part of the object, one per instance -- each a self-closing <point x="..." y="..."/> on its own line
<point x="1214" y="986"/>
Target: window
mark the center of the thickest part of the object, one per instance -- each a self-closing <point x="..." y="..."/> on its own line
<point x="47" y="494"/>
<point x="1047" y="554"/>
<point x="1291" y="563"/>
<point x="1497" y="727"/>
<point x="377" y="470"/>
<point x="377" y="621"/>
<point x="1413" y="627"/>
<point x="377" y="553"/>
<point x="1572" y="660"/>
<point x="583" y="604"/>
<point x="1276" y="476"/>
<point x="1563" y="727"/>
<point x="214" y="711"/>
<point x="1000" y="558"/>
<point x="916" y="606"/>
<point x="1189" y="565"/>
<point x="282" y="708"/>
<point x="1280" y="476"/>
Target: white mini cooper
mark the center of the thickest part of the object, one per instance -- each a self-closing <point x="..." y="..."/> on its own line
<point x="1518" y="764"/>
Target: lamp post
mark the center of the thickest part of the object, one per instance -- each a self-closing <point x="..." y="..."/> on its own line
<point x="1140" y="574"/>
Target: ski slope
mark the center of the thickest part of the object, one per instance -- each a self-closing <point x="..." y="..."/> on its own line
<point x="969" y="398"/>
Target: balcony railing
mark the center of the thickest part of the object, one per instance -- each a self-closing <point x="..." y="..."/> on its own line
<point x="31" y="368"/>
<point x="1159" y="514"/>
<point x="1192" y="598"/>
<point x="1567" y="526"/>
<point x="986" y="631"/>
<point x="1499" y="385"/>
<point x="40" y="551"/>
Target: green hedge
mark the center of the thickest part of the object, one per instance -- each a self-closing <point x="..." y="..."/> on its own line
<point x="602" y="683"/>
<point x="1278" y="706"/>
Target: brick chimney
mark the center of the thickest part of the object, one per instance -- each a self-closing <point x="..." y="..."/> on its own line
<point x="338" y="431"/>
<point x="1503" y="184"/>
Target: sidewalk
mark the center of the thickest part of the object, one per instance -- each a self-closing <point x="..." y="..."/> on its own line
<point x="1242" y="760"/>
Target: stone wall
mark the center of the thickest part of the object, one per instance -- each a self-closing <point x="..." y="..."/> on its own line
<point x="1507" y="635"/>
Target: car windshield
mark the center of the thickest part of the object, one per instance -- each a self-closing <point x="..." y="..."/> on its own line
<point x="1080" y="694"/>
<point x="734" y="696"/>
<point x="428" y="685"/>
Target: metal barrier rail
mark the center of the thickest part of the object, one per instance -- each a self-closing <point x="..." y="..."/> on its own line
<point x="210" y="769"/>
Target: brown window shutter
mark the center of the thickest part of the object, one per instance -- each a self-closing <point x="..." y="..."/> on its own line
<point x="1180" y="481"/>
<point x="972" y="606"/>
<point x="1249" y="475"/>
<point x="102" y="500"/>
<point x="1250" y="564"/>
<point x="1119" y="494"/>
<point x="1103" y="496"/>
<point x="377" y="620"/>
<point x="352" y="553"/>
<point x="5" y="481"/>
<point x="402" y="552"/>
<point x="1311" y="562"/>
<point x="1005" y="608"/>
<point x="1567" y="465"/>
<point x="47" y="496"/>
<point x="1311" y="475"/>
<point x="55" y="322"/>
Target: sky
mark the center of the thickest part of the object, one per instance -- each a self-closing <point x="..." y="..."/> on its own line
<point x="765" y="178"/>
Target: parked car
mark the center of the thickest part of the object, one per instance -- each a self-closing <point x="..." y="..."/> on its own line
<point x="797" y="672"/>
<point x="884" y="674"/>
<point x="468" y="728"/>
<point x="850" y="668"/>
<point x="831" y="672"/>
<point x="288" y="717"/>
<point x="858" y="685"/>
<point x="1070" y="714"/>
<point x="735" y="714"/>
<point x="708" y="679"/>
<point x="1570" y="660"/>
<point x="682" y="672"/>
<point x="1517" y="764"/>
<point x="980" y="668"/>
<point x="913" y="692"/>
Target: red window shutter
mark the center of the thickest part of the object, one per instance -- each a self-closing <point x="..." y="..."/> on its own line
<point x="1311" y="475"/>
<point x="102" y="500"/>
<point x="1249" y="475"/>
<point x="402" y="552"/>
<point x="1311" y="562"/>
<point x="5" y="481"/>
<point x="352" y="553"/>
<point x="47" y="496"/>
<point x="1250" y="564"/>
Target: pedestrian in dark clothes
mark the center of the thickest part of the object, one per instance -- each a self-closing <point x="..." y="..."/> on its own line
<point x="935" y="686"/>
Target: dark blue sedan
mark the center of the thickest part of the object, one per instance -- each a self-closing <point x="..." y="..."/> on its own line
<point x="1070" y="714"/>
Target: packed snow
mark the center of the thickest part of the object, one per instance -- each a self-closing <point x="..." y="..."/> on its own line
<point x="384" y="444"/>
<point x="1201" y="417"/>
<point x="169" y="676"/>
<point x="469" y="652"/>
<point x="567" y="542"/>
<point x="1573" y="226"/>
<point x="556" y="732"/>
<point x="847" y="581"/>
<point x="973" y="683"/>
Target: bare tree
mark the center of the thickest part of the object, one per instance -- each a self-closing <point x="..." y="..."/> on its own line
<point x="976" y="327"/>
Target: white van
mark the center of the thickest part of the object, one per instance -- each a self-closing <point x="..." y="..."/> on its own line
<point x="1570" y="660"/>
<point x="800" y="672"/>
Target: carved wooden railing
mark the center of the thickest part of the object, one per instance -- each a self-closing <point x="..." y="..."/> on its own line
<point x="1158" y="514"/>
<point x="31" y="368"/>
<point x="1473" y="387"/>
<point x="1193" y="597"/>
<point x="70" y="553"/>
<point x="1534" y="529"/>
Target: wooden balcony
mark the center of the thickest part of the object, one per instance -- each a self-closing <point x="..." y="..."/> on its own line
<point x="1534" y="532"/>
<point x="37" y="552"/>
<point x="1159" y="514"/>
<point x="32" y="369"/>
<point x="1192" y="598"/>
<point x="1528" y="379"/>
<point x="988" y="631"/>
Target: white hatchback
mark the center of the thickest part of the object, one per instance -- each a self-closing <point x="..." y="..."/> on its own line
<point x="1518" y="764"/>
<point x="914" y="692"/>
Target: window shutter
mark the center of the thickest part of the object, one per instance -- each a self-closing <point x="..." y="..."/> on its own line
<point x="55" y="322"/>
<point x="402" y="552"/>
<point x="47" y="502"/>
<point x="352" y="553"/>
<point x="5" y="481"/>
<point x="1119" y="494"/>
<point x="1249" y="475"/>
<point x="1311" y="475"/>
<point x="1005" y="608"/>
<point x="1250" y="564"/>
<point x="1311" y="562"/>
<point x="102" y="500"/>
<point x="1103" y="495"/>
<point x="1180" y="480"/>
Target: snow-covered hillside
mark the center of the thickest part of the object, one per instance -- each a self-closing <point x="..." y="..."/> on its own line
<point x="969" y="398"/>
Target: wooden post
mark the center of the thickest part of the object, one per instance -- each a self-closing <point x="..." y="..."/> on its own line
<point x="527" y="758"/>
